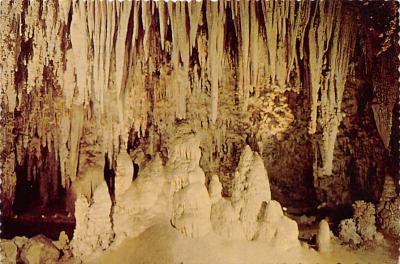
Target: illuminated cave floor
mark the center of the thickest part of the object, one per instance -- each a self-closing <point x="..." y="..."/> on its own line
<point x="163" y="244"/>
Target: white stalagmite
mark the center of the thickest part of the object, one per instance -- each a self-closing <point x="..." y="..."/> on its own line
<point x="324" y="237"/>
<point x="250" y="190"/>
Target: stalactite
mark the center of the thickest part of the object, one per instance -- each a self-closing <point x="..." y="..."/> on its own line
<point x="331" y="43"/>
<point x="385" y="94"/>
<point x="107" y="66"/>
<point x="215" y="22"/>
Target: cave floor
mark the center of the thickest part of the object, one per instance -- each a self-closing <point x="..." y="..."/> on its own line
<point x="163" y="244"/>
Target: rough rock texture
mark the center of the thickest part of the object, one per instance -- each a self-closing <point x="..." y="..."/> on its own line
<point x="38" y="250"/>
<point x="388" y="208"/>
<point x="84" y="81"/>
<point x="361" y="229"/>
<point x="250" y="190"/>
<point x="348" y="232"/>
<point x="364" y="217"/>
<point x="324" y="237"/>
<point x="93" y="230"/>
<point x="176" y="193"/>
<point x="20" y="241"/>
<point x="8" y="252"/>
<point x="224" y="219"/>
<point x="250" y="213"/>
<point x="276" y="227"/>
<point x="123" y="174"/>
<point x="389" y="217"/>
<point x="191" y="204"/>
<point x="143" y="200"/>
<point x="63" y="245"/>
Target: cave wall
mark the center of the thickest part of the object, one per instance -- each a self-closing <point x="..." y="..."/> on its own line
<point x="83" y="80"/>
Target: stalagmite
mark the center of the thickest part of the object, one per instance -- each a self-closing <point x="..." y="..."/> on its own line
<point x="250" y="190"/>
<point x="324" y="237"/>
<point x="123" y="174"/>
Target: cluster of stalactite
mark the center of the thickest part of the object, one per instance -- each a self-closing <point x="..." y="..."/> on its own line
<point x="80" y="79"/>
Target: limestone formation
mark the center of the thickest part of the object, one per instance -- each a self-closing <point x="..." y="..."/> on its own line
<point x="364" y="217"/>
<point x="275" y="227"/>
<point x="96" y="73"/>
<point x="191" y="210"/>
<point x="93" y="231"/>
<point x="20" y="241"/>
<point x="388" y="208"/>
<point x="144" y="199"/>
<point x="215" y="189"/>
<point x="154" y="124"/>
<point x="324" y="237"/>
<point x="348" y="232"/>
<point x="8" y="252"/>
<point x="224" y="220"/>
<point x="123" y="174"/>
<point x="85" y="185"/>
<point x="191" y="204"/>
<point x="250" y="190"/>
<point x="39" y="249"/>
<point x="361" y="229"/>
<point x="389" y="217"/>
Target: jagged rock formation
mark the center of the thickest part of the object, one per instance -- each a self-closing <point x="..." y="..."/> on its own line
<point x="73" y="81"/>
<point x="191" y="205"/>
<point x="39" y="249"/>
<point x="140" y="113"/>
<point x="388" y="209"/>
<point x="361" y="229"/>
<point x="36" y="250"/>
<point x="276" y="227"/>
<point x="176" y="193"/>
<point x="250" y="190"/>
<point x="93" y="231"/>
<point x="9" y="252"/>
